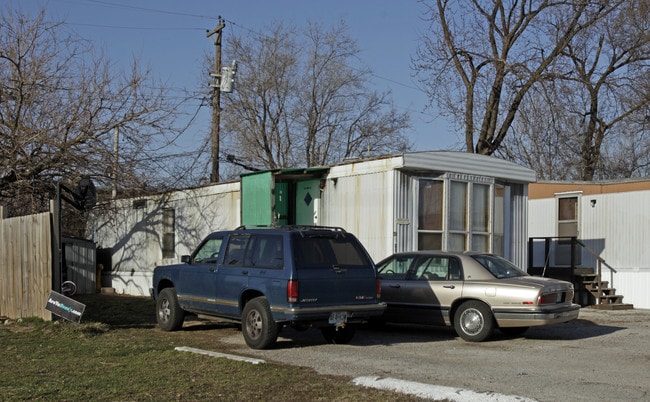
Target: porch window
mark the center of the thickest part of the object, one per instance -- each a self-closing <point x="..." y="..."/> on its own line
<point x="430" y="214"/>
<point x="480" y="217"/>
<point x="457" y="216"/>
<point x="456" y="213"/>
<point x="567" y="216"/>
<point x="498" y="220"/>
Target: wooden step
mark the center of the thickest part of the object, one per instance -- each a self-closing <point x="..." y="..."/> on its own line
<point x="602" y="291"/>
<point x="585" y="275"/>
<point x="583" y="271"/>
<point x="610" y="299"/>
<point x="595" y="285"/>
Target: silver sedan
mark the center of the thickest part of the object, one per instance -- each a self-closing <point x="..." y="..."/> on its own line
<point x="473" y="292"/>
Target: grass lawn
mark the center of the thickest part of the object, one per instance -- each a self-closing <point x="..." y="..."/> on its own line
<point x="116" y="353"/>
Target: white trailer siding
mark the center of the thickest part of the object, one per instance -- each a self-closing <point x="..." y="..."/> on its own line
<point x="359" y="198"/>
<point x="132" y="229"/>
<point x="613" y="221"/>
<point x="375" y="199"/>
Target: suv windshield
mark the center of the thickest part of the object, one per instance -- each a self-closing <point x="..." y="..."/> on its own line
<point x="313" y="251"/>
<point x="499" y="267"/>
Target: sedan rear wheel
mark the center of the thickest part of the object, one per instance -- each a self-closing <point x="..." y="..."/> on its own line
<point x="474" y="321"/>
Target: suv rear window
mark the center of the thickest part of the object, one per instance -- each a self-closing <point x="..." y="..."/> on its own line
<point x="326" y="251"/>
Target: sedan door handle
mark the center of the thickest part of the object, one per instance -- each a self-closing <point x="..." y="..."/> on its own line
<point x="449" y="286"/>
<point x="396" y="286"/>
<point x="244" y="272"/>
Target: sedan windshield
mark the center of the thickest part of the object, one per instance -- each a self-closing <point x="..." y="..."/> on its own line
<point x="499" y="267"/>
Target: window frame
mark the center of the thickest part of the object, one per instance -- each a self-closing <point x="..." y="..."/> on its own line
<point x="468" y="232"/>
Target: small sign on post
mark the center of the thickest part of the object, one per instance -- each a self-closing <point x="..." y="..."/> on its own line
<point x="65" y="307"/>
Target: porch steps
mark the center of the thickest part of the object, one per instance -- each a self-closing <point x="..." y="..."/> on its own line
<point x="592" y="291"/>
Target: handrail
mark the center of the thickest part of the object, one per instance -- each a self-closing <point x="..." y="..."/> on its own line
<point x="600" y="259"/>
<point x="574" y="240"/>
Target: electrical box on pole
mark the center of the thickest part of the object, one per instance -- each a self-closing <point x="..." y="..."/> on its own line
<point x="228" y="77"/>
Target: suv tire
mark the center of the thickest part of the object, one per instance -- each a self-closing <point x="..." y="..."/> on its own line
<point x="169" y="314"/>
<point x="258" y="327"/>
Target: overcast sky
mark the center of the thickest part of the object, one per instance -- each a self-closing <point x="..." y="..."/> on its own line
<point x="170" y="36"/>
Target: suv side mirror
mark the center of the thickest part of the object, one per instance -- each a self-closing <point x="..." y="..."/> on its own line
<point x="185" y="259"/>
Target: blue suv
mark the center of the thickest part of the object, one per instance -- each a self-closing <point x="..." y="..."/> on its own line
<point x="269" y="278"/>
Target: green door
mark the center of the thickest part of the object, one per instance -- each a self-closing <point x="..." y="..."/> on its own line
<point x="256" y="199"/>
<point x="281" y="191"/>
<point x="307" y="202"/>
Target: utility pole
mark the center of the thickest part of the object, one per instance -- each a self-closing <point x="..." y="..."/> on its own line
<point x="216" y="100"/>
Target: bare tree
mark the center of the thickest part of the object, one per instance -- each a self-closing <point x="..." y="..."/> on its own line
<point x="482" y="57"/>
<point x="598" y="108"/>
<point x="538" y="139"/>
<point x="300" y="100"/>
<point x="609" y="61"/>
<point x="60" y="107"/>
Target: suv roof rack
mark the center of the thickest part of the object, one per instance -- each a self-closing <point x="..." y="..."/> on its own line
<point x="293" y="227"/>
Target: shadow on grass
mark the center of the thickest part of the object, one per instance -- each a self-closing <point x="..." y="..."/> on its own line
<point x="119" y="311"/>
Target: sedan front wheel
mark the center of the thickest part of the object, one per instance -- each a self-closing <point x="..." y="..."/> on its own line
<point x="474" y="321"/>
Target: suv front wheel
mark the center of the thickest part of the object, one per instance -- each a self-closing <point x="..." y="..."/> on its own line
<point x="258" y="327"/>
<point x="169" y="313"/>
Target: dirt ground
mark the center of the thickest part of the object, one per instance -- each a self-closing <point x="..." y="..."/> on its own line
<point x="603" y="355"/>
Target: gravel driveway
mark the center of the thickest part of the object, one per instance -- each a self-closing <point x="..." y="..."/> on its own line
<point x="603" y="355"/>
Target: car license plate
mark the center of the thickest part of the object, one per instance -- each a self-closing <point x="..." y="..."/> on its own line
<point x="338" y="317"/>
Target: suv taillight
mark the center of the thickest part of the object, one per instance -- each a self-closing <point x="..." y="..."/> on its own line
<point x="378" y="288"/>
<point x="292" y="291"/>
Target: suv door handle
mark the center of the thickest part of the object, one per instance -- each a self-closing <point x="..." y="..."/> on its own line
<point x="396" y="286"/>
<point x="244" y="272"/>
<point x="449" y="286"/>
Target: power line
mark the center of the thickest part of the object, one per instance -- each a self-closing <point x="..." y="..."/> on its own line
<point x="131" y="7"/>
<point x="133" y="27"/>
<point x="212" y="18"/>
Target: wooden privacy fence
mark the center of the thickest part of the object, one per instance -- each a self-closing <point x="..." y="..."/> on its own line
<point x="25" y="265"/>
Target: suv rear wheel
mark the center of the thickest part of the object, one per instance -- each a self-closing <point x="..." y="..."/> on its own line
<point x="258" y="327"/>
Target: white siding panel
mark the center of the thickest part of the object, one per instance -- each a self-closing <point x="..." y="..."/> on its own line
<point x="135" y="234"/>
<point x="405" y="218"/>
<point x="541" y="223"/>
<point x="363" y="205"/>
<point x="633" y="284"/>
<point x="619" y="225"/>
<point x="519" y="229"/>
<point x="617" y="228"/>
